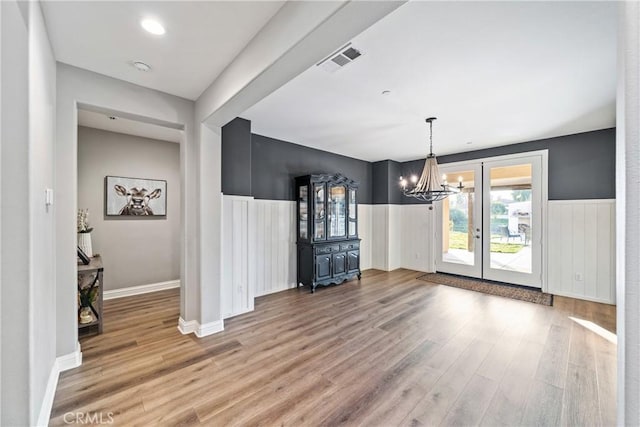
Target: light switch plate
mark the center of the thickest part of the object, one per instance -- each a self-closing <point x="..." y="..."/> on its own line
<point x="48" y="196"/>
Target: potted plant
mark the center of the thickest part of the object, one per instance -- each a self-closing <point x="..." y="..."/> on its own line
<point x="86" y="297"/>
<point x="84" y="232"/>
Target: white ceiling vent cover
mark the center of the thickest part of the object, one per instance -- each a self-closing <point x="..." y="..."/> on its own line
<point x="344" y="56"/>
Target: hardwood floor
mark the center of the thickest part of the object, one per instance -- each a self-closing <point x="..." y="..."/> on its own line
<point x="390" y="350"/>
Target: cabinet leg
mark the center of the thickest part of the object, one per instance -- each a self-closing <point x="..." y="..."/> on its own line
<point x="359" y="276"/>
<point x="313" y="289"/>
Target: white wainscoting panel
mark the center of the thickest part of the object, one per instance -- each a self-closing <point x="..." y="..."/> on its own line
<point x="395" y="237"/>
<point x="275" y="246"/>
<point x="582" y="244"/>
<point x="417" y="237"/>
<point x="259" y="249"/>
<point x="386" y="237"/>
<point x="237" y="292"/>
<point x="365" y="213"/>
<point x="380" y="237"/>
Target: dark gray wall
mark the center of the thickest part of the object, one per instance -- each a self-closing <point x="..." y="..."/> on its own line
<point x="581" y="166"/>
<point x="385" y="181"/>
<point x="275" y="163"/>
<point x="380" y="182"/>
<point x="236" y="157"/>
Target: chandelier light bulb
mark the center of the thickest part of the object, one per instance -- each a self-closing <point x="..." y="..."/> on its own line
<point x="414" y="178"/>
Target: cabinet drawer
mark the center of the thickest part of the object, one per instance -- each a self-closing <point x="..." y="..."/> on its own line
<point x="349" y="246"/>
<point x="327" y="249"/>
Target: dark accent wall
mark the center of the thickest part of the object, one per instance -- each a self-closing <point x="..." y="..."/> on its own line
<point x="275" y="163"/>
<point x="385" y="179"/>
<point x="236" y="157"/>
<point x="581" y="166"/>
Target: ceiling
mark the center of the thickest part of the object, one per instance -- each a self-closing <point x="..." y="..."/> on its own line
<point x="493" y="73"/>
<point x="130" y="127"/>
<point x="201" y="38"/>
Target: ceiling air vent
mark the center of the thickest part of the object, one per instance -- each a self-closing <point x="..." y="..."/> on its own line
<point x="339" y="59"/>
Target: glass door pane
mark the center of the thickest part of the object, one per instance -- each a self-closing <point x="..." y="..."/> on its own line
<point x="337" y="211"/>
<point x="353" y="212"/>
<point x="319" y="212"/>
<point x="510" y="218"/>
<point x="459" y="224"/>
<point x="303" y="226"/>
<point x="513" y="220"/>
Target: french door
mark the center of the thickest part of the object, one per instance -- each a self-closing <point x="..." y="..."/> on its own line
<point x="492" y="229"/>
<point x="459" y="223"/>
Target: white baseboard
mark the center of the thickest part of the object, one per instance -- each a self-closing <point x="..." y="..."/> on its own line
<point x="49" y="394"/>
<point x="193" y="327"/>
<point x="275" y="290"/>
<point x="62" y="363"/>
<point x="248" y="310"/>
<point x="187" y="327"/>
<point x="142" y="289"/>
<point x="210" y="328"/>
<point x="70" y="361"/>
<point x="582" y="297"/>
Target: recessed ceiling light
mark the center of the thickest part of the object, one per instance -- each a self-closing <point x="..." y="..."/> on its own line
<point x="112" y="117"/>
<point x="153" y="26"/>
<point x="141" y="66"/>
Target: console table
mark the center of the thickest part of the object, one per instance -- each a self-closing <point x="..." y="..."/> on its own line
<point x="90" y="277"/>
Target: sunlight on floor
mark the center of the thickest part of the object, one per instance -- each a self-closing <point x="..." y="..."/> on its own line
<point x="609" y="336"/>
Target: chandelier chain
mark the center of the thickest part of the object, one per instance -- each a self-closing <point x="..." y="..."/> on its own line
<point x="430" y="137"/>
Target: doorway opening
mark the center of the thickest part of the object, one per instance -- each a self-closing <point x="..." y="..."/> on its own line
<point x="494" y="228"/>
<point x="129" y="183"/>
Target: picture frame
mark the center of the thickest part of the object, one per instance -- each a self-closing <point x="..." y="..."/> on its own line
<point x="135" y="197"/>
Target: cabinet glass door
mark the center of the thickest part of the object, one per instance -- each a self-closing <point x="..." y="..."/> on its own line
<point x="337" y="211"/>
<point x="319" y="217"/>
<point x="353" y="212"/>
<point x="303" y="219"/>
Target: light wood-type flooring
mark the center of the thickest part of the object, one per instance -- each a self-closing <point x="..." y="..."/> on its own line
<point x="388" y="350"/>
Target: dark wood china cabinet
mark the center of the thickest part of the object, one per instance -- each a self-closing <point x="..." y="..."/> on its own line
<point x="327" y="229"/>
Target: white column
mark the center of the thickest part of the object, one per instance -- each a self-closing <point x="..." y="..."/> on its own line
<point x="628" y="217"/>
<point x="210" y="229"/>
<point x="15" y="263"/>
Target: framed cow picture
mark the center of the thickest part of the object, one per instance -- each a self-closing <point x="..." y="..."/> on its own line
<point x="135" y="197"/>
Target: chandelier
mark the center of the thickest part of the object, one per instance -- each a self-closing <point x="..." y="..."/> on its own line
<point x="430" y="188"/>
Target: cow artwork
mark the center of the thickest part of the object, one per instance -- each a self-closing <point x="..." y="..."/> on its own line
<point x="137" y="200"/>
<point x="135" y="197"/>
